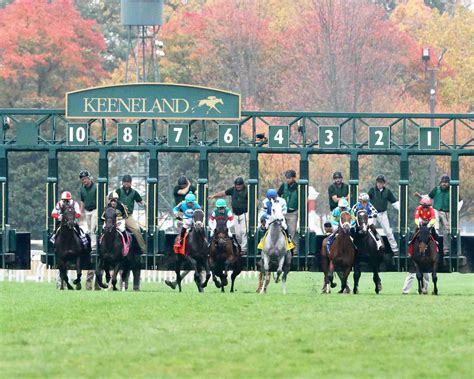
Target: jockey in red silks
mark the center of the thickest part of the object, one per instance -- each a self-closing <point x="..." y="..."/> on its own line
<point x="66" y="200"/>
<point x="424" y="213"/>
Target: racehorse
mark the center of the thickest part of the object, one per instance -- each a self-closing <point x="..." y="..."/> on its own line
<point x="223" y="258"/>
<point x="425" y="257"/>
<point x="197" y="252"/>
<point x="275" y="247"/>
<point x="366" y="250"/>
<point x="67" y="246"/>
<point x="112" y="253"/>
<point x="341" y="256"/>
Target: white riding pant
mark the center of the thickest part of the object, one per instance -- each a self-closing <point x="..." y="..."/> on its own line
<point x="442" y="227"/>
<point x="411" y="277"/>
<point x="240" y="230"/>
<point x="382" y="220"/>
<point x="91" y="222"/>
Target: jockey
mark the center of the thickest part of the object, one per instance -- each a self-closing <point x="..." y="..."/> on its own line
<point x="221" y="213"/>
<point x="120" y="209"/>
<point x="342" y="206"/>
<point x="365" y="204"/>
<point x="266" y="211"/>
<point x="425" y="213"/>
<point x="186" y="208"/>
<point x="66" y="200"/>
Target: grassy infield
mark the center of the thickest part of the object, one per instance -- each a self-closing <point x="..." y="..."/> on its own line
<point x="160" y="333"/>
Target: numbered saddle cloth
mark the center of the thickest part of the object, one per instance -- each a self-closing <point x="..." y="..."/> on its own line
<point x="289" y="245"/>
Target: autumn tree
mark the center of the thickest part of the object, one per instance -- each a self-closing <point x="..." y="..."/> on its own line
<point x="47" y="49"/>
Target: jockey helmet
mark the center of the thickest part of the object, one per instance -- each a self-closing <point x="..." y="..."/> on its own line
<point x="342" y="203"/>
<point x="182" y="181"/>
<point x="425" y="201"/>
<point x="290" y="174"/>
<point x="221" y="203"/>
<point x="364" y="197"/>
<point x="272" y="193"/>
<point x="239" y="180"/>
<point x="445" y="179"/>
<point x="66" y="195"/>
<point x="380" y="178"/>
<point x="127" y="178"/>
<point x="113" y="195"/>
<point x="337" y="175"/>
<point x="190" y="198"/>
<point x="84" y="174"/>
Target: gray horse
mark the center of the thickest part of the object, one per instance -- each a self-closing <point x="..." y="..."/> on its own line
<point x="275" y="247"/>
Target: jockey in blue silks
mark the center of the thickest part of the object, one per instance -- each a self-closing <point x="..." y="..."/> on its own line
<point x="365" y="204"/>
<point x="187" y="208"/>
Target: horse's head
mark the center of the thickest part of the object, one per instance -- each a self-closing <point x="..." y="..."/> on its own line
<point x="198" y="220"/>
<point x="221" y="234"/>
<point x="423" y="237"/>
<point x="277" y="213"/>
<point x="362" y="219"/>
<point x="345" y="221"/>
<point x="110" y="219"/>
<point x="68" y="215"/>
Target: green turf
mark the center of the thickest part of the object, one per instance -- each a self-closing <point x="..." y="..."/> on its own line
<point x="161" y="333"/>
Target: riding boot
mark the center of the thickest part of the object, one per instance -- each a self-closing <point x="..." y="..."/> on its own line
<point x="260" y="282"/>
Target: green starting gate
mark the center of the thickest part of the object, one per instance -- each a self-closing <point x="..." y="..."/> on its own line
<point x="163" y="118"/>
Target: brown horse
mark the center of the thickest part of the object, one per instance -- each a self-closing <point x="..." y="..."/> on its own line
<point x="341" y="256"/>
<point x="425" y="257"/>
<point x="222" y="258"/>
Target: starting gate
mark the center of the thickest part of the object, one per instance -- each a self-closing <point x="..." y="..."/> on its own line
<point x="162" y="118"/>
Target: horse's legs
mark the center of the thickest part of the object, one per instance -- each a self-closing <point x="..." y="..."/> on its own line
<point x="178" y="273"/>
<point x="434" y="276"/>
<point x="265" y="266"/>
<point x="331" y="275"/>
<point x="280" y="268"/>
<point x="325" y="268"/>
<point x="377" y="281"/>
<point x="114" y="277"/>
<point x="77" y="281"/>
<point x="419" y="277"/>
<point x="286" y="269"/>
<point x="136" y="278"/>
<point x="344" y="288"/>
<point x="208" y="273"/>
<point x="357" y="274"/>
<point x="197" y="273"/>
<point x="237" y="269"/>
<point x="64" y="276"/>
<point x="98" y="273"/>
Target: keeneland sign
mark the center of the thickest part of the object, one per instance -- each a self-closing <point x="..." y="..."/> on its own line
<point x="153" y="101"/>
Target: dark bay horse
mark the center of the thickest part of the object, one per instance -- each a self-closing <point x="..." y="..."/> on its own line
<point x="366" y="251"/>
<point x="197" y="252"/>
<point x="341" y="257"/>
<point x="223" y="258"/>
<point x="425" y="257"/>
<point x="110" y="249"/>
<point x="68" y="247"/>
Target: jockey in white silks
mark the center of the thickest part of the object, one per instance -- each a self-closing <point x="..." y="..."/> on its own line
<point x="266" y="211"/>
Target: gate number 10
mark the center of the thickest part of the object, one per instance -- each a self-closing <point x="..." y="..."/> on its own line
<point x="77" y="134"/>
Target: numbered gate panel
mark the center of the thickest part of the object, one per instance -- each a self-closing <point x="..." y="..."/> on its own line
<point x="178" y="135"/>
<point x="279" y="136"/>
<point x="77" y="134"/>
<point x="379" y="137"/>
<point x="127" y="134"/>
<point x="329" y="137"/>
<point x="229" y="135"/>
<point x="429" y="138"/>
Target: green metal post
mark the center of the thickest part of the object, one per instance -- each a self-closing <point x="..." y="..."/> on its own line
<point x="102" y="185"/>
<point x="3" y="188"/>
<point x="52" y="198"/>
<point x="303" y="209"/>
<point x="403" y="212"/>
<point x="203" y="180"/>
<point x="454" y="214"/>
<point x="253" y="209"/>
<point x="353" y="177"/>
<point x="152" y="206"/>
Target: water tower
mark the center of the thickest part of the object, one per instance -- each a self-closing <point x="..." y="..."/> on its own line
<point x="143" y="19"/>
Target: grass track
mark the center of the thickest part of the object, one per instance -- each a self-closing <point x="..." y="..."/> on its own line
<point x="161" y="333"/>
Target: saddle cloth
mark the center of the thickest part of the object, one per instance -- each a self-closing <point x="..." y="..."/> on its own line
<point x="179" y="246"/>
<point x="289" y="245"/>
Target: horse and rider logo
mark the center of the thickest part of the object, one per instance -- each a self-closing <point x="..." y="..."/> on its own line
<point x="210" y="102"/>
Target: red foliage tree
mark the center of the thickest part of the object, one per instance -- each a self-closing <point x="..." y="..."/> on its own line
<point x="47" y="49"/>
